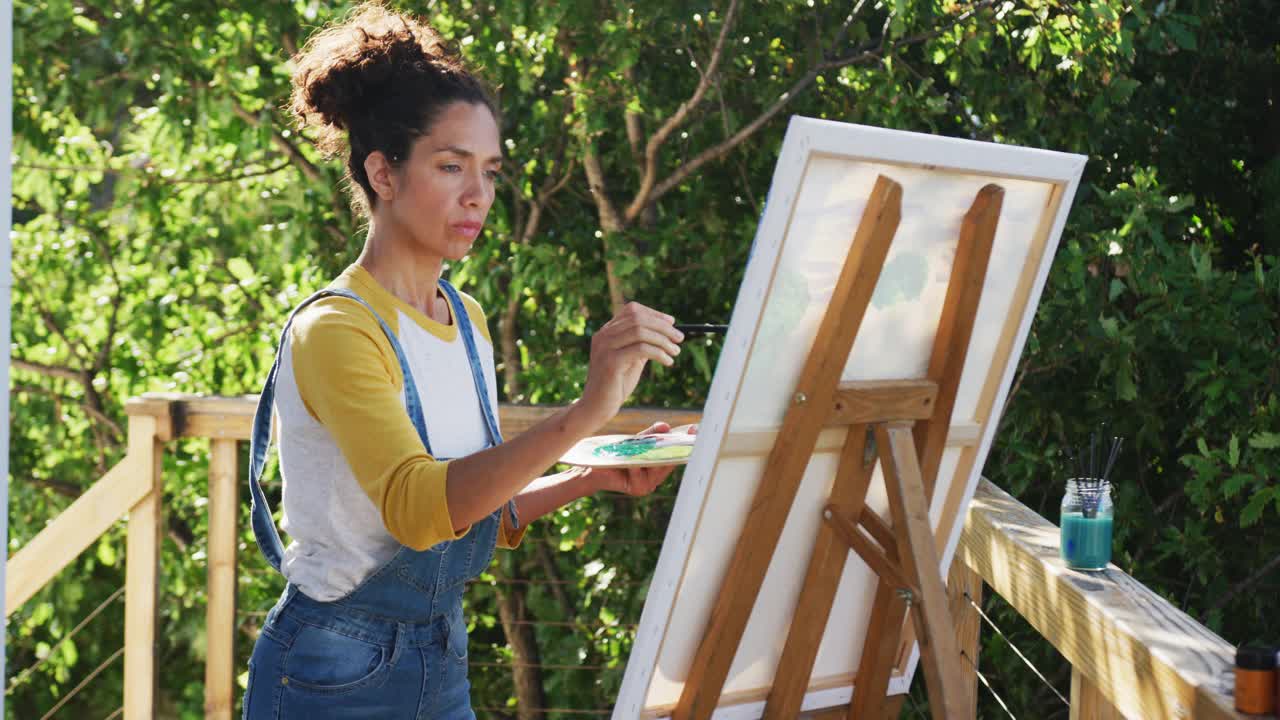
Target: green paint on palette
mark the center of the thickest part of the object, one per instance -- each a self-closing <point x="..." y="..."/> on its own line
<point x="630" y="447"/>
<point x="645" y="448"/>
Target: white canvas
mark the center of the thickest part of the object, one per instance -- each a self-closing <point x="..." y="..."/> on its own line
<point x="824" y="175"/>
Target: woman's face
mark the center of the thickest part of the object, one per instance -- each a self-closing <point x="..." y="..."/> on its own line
<point x="446" y="186"/>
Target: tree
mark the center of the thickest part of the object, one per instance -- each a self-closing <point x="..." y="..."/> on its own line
<point x="168" y="215"/>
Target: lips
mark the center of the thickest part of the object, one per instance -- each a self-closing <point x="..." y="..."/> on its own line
<point x="469" y="230"/>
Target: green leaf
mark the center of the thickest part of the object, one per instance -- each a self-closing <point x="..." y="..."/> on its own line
<point x="1126" y="388"/>
<point x="1117" y="288"/>
<point x="1235" y="484"/>
<point x="1182" y="35"/>
<point x="699" y="354"/>
<point x="240" y="269"/>
<point x="106" y="552"/>
<point x="1252" y="512"/>
<point x="85" y="24"/>
<point x="1265" y="441"/>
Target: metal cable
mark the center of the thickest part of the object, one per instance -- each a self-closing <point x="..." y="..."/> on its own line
<point x="1018" y="652"/>
<point x="606" y="541"/>
<point x="562" y="711"/>
<point x="538" y="581"/>
<point x="83" y="684"/>
<point x="990" y="689"/>
<point x="22" y="677"/>
<point x="539" y="665"/>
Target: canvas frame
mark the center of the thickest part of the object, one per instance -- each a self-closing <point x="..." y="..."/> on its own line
<point x="806" y="140"/>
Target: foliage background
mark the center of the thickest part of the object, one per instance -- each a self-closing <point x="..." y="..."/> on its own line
<point x="167" y="216"/>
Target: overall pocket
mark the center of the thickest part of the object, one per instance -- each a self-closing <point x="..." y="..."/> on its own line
<point x="456" y="637"/>
<point x="327" y="662"/>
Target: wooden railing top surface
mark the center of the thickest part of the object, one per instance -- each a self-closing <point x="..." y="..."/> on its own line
<point x="232" y="417"/>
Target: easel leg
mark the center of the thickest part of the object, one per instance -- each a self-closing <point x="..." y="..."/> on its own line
<point x="879" y="653"/>
<point x="939" y="653"/>
<point x="822" y="579"/>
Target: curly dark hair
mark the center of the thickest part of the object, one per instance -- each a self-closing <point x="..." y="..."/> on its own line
<point x="376" y="82"/>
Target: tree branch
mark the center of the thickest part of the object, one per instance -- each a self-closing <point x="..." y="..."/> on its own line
<point x="79" y="351"/>
<point x="305" y="166"/>
<point x="1240" y="587"/>
<point x="290" y="150"/>
<point x="62" y="487"/>
<point x="609" y="221"/>
<point x="92" y="412"/>
<point x="526" y="673"/>
<point x="58" y="371"/>
<point x="863" y="54"/>
<point x="660" y="136"/>
<point x="507" y="327"/>
<point x="549" y="189"/>
<point x="209" y="180"/>
<point x="635" y="131"/>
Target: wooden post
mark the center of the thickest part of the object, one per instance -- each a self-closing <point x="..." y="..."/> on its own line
<point x="1087" y="702"/>
<point x="220" y="616"/>
<point x="142" y="571"/>
<point x="963" y="585"/>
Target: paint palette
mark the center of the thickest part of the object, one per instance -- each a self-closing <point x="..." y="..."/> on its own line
<point x="673" y="448"/>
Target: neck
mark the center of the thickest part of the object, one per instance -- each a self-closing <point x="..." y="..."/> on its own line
<point x="409" y="273"/>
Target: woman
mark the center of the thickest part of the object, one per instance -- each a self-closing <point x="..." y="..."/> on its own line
<point x="397" y="485"/>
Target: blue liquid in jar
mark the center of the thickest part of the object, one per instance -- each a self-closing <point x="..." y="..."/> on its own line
<point x="1086" y="542"/>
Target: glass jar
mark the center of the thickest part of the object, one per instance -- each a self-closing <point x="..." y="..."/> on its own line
<point x="1085" y="522"/>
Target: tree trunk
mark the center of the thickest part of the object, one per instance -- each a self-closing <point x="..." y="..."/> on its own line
<point x="610" y="223"/>
<point x="510" y="350"/>
<point x="526" y="673"/>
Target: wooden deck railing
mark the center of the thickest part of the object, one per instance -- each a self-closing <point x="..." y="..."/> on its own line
<point x="1133" y="654"/>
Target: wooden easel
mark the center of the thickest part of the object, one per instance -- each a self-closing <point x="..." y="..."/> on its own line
<point x="904" y="554"/>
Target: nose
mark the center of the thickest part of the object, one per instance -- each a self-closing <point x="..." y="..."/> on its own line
<point x="479" y="192"/>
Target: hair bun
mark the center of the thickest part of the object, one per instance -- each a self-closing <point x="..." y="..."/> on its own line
<point x="374" y="82"/>
<point x="346" y="69"/>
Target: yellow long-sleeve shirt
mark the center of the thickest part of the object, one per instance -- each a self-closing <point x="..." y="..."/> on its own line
<point x="358" y="482"/>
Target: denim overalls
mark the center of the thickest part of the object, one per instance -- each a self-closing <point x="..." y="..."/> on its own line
<point x="394" y="647"/>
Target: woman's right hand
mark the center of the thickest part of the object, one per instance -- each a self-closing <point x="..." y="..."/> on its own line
<point x="619" y="351"/>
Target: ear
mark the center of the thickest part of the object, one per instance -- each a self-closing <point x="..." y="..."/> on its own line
<point x="382" y="176"/>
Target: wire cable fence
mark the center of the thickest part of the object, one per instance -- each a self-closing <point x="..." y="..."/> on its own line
<point x="26" y="674"/>
<point x="985" y="683"/>
<point x="502" y="712"/>
<point x="83" y="683"/>
<point x="1026" y="661"/>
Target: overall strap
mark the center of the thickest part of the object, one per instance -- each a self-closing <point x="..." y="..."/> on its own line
<point x="473" y="355"/>
<point x="264" y="527"/>
<point x="477" y="375"/>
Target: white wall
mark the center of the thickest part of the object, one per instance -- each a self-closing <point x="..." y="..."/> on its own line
<point x="6" y="281"/>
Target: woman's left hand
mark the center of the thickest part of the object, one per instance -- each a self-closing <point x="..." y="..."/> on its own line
<point x="638" y="482"/>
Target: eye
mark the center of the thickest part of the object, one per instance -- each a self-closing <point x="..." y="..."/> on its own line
<point x="451" y="168"/>
<point x="493" y="175"/>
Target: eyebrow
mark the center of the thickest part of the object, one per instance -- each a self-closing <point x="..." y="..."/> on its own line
<point x="456" y="150"/>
